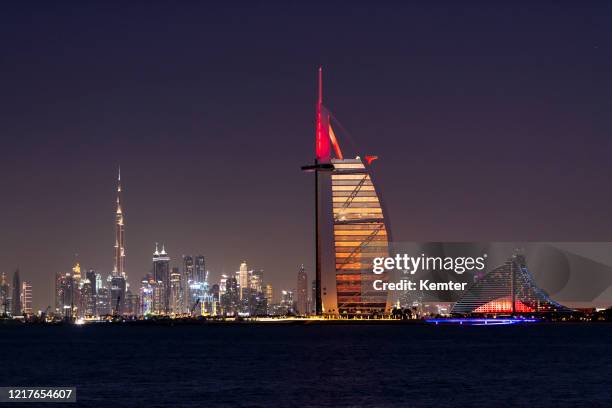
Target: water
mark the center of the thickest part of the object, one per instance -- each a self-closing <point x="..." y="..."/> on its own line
<point x="534" y="365"/>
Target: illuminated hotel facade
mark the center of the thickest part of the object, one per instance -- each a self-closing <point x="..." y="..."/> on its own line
<point x="508" y="289"/>
<point x="351" y="228"/>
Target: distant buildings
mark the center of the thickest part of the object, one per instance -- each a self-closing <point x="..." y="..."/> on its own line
<point x="230" y="300"/>
<point x="17" y="306"/>
<point x="5" y="296"/>
<point x="269" y="294"/>
<point x="161" y="278"/>
<point x="90" y="292"/>
<point x="287" y="302"/>
<point x="15" y="298"/>
<point x="302" y="292"/>
<point x="200" y="269"/>
<point x="26" y="298"/>
<point x="176" y="292"/>
<point x="243" y="279"/>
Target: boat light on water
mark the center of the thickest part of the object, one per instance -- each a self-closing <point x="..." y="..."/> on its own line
<point x="481" y="321"/>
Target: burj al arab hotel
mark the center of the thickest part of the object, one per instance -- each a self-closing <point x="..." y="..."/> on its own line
<point x="351" y="227"/>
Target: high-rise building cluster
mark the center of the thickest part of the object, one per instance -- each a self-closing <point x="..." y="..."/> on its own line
<point x="182" y="290"/>
<point x="15" y="297"/>
<point x="175" y="291"/>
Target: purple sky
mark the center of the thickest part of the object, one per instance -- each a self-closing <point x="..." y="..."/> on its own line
<point x="492" y="122"/>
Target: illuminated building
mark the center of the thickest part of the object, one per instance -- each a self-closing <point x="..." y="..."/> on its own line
<point x="351" y="229"/>
<point x="5" y="296"/>
<point x="26" y="297"/>
<point x="103" y="301"/>
<point x="287" y="303"/>
<point x="118" y="278"/>
<point x="214" y="292"/>
<point x="146" y="296"/>
<point x="77" y="299"/>
<point x="88" y="298"/>
<point x="119" y="269"/>
<point x="222" y="284"/>
<point x="176" y="292"/>
<point x="188" y="277"/>
<point x="132" y="303"/>
<point x="17" y="306"/>
<point x="63" y="292"/>
<point x="302" y="292"/>
<point x="76" y="272"/>
<point x="195" y="286"/>
<point x="200" y="268"/>
<point x="256" y="280"/>
<point x="90" y="292"/>
<point x="188" y="268"/>
<point x="99" y="283"/>
<point x="243" y="279"/>
<point x="230" y="299"/>
<point x="507" y="289"/>
<point x="269" y="294"/>
<point x="161" y="277"/>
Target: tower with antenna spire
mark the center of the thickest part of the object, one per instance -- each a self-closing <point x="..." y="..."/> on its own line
<point x="118" y="279"/>
<point x="119" y="268"/>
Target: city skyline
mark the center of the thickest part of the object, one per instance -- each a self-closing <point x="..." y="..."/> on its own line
<point x="211" y="117"/>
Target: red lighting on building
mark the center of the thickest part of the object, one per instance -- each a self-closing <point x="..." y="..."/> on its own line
<point x="323" y="145"/>
<point x="503" y="305"/>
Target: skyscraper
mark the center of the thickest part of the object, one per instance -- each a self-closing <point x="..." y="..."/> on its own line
<point x="26" y="297"/>
<point x="161" y="276"/>
<point x="269" y="294"/>
<point x="61" y="292"/>
<point x="302" y="291"/>
<point x="243" y="281"/>
<point x="287" y="302"/>
<point x="103" y="303"/>
<point x="17" y="306"/>
<point x="188" y="266"/>
<point x="88" y="297"/>
<point x="200" y="268"/>
<point x="119" y="269"/>
<point x="118" y="288"/>
<point x="230" y="299"/>
<point x="313" y="297"/>
<point x="222" y="284"/>
<point x="176" y="292"/>
<point x="256" y="280"/>
<point x="351" y="229"/>
<point x="78" y="301"/>
<point x="5" y="296"/>
<point x="91" y="276"/>
<point x="118" y="281"/>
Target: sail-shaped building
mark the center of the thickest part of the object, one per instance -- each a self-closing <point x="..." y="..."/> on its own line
<point x="351" y="227"/>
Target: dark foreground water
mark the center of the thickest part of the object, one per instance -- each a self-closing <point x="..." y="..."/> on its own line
<point x="316" y="366"/>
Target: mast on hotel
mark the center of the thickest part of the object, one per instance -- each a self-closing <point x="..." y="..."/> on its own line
<point x="322" y="163"/>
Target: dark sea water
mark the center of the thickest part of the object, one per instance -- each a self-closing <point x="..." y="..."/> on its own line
<point x="539" y="365"/>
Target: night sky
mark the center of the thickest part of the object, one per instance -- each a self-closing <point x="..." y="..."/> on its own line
<point x="491" y="121"/>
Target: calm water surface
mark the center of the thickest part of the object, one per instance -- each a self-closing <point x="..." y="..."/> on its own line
<point x="538" y="365"/>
